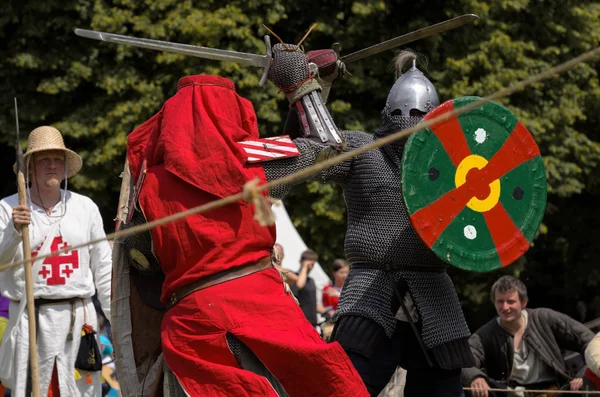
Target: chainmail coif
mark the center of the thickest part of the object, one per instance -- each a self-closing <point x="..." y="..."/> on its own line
<point x="393" y="123"/>
<point x="379" y="232"/>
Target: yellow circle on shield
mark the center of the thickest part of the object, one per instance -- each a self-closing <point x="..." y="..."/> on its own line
<point x="466" y="165"/>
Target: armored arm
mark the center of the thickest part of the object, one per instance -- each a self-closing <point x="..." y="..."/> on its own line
<point x="319" y="137"/>
<point x="310" y="153"/>
<point x="329" y="69"/>
<point x="308" y="116"/>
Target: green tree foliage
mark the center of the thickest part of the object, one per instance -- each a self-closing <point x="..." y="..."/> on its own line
<point x="96" y="93"/>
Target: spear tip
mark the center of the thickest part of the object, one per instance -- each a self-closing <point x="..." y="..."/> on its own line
<point x="20" y="162"/>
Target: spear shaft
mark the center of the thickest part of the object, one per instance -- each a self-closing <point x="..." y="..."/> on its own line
<point x="22" y="189"/>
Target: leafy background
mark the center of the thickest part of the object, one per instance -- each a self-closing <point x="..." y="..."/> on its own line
<point x="96" y="93"/>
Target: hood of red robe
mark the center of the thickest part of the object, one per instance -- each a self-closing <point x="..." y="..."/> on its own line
<point x="190" y="147"/>
<point x="194" y="136"/>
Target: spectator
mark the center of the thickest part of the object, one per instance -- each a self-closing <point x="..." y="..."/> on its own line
<point x="521" y="348"/>
<point x="595" y="307"/>
<point x="581" y="310"/>
<point x="592" y="360"/>
<point x="332" y="292"/>
<point x="4" y="303"/>
<point x="277" y="255"/>
<point x="62" y="287"/>
<point x="110" y="384"/>
<point x="305" y="289"/>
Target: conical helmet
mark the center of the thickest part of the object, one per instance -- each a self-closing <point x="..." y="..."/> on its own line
<point x="412" y="91"/>
<point x="411" y="97"/>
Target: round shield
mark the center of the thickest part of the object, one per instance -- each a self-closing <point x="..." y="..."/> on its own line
<point x="475" y="186"/>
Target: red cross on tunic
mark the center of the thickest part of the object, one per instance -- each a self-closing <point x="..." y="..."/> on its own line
<point x="56" y="261"/>
<point x="44" y="272"/>
<point x="67" y="271"/>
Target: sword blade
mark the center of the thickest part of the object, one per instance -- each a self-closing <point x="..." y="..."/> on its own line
<point x="410" y="37"/>
<point x="242" y="58"/>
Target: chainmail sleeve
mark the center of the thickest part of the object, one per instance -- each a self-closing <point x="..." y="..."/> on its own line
<point x="309" y="153"/>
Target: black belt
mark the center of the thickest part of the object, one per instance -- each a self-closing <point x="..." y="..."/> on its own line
<point x="42" y="301"/>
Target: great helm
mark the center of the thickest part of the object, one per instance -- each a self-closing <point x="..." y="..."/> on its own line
<point x="412" y="91"/>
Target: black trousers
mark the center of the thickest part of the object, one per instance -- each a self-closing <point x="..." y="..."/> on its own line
<point x="378" y="365"/>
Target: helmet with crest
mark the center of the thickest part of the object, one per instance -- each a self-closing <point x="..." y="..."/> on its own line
<point x="410" y="98"/>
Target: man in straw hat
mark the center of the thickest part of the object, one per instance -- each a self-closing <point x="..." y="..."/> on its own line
<point x="63" y="284"/>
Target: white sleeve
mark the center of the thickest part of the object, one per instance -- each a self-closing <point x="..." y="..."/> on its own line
<point x="10" y="240"/>
<point x="592" y="355"/>
<point x="101" y="261"/>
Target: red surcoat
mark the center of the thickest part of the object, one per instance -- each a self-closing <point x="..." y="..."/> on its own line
<point x="193" y="158"/>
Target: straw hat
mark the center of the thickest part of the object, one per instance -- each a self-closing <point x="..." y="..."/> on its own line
<point x="49" y="138"/>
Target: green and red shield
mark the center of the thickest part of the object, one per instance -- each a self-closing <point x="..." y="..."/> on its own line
<point x="475" y="186"/>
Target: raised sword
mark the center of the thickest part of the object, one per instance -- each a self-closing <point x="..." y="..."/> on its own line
<point x="243" y="58"/>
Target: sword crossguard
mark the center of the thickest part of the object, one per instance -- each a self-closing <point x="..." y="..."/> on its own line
<point x="267" y="67"/>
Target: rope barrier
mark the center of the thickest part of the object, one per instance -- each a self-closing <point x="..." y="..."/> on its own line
<point x="529" y="391"/>
<point x="315" y="169"/>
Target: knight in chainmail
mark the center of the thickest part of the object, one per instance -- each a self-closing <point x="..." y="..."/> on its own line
<point x="385" y="253"/>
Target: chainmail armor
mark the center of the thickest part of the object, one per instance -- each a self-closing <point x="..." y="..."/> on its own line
<point x="292" y="67"/>
<point x="391" y="123"/>
<point x="234" y="346"/>
<point x="379" y="232"/>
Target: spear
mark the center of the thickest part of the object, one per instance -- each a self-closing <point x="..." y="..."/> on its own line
<point x="35" y="380"/>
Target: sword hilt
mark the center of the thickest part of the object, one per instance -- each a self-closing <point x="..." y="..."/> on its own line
<point x="267" y="67"/>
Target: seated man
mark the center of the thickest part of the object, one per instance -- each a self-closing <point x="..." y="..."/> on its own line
<point x="522" y="348"/>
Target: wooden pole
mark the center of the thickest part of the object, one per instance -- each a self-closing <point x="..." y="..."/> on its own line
<point x="22" y="189"/>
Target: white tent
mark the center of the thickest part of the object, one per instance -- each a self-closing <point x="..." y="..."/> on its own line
<point x="293" y="246"/>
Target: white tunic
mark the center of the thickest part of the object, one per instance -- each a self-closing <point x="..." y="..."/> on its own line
<point x="528" y="368"/>
<point x="76" y="273"/>
<point x="592" y="355"/>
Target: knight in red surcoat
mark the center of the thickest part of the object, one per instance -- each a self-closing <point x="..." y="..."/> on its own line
<point x="223" y="297"/>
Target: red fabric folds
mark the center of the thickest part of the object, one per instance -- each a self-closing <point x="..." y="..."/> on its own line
<point x="193" y="158"/>
<point x="259" y="313"/>
<point x="595" y="380"/>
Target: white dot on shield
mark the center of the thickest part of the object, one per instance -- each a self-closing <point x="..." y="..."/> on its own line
<point x="480" y="135"/>
<point x="470" y="232"/>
